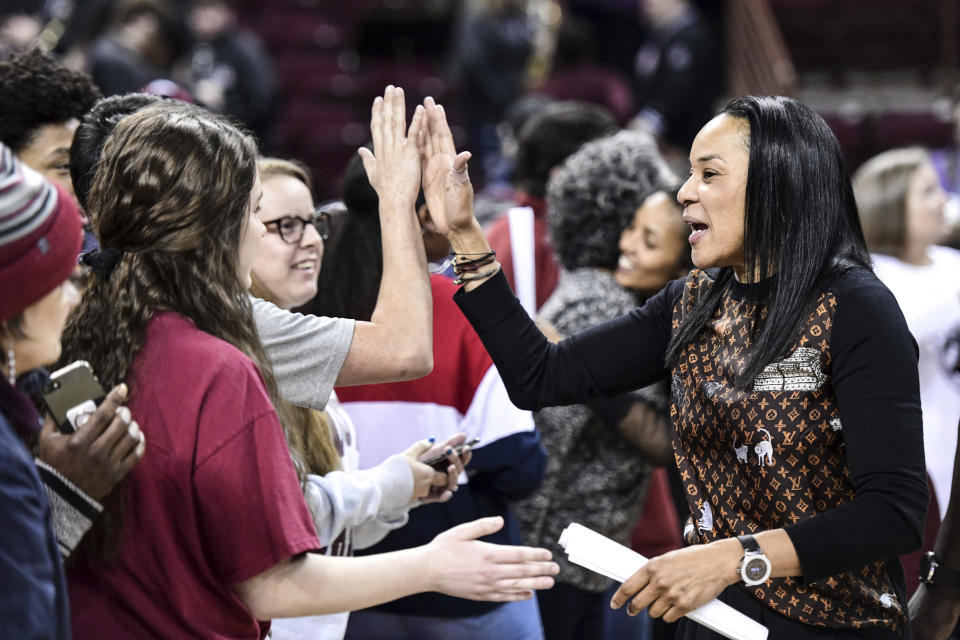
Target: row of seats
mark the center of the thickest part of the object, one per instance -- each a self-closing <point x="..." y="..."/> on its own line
<point x="845" y="35"/>
<point x="333" y="57"/>
<point x="863" y="136"/>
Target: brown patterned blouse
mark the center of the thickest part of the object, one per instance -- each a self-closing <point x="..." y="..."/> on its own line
<point x="827" y="443"/>
<point x="773" y="456"/>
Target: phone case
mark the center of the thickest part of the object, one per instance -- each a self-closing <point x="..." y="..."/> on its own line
<point x="440" y="462"/>
<point x="72" y="395"/>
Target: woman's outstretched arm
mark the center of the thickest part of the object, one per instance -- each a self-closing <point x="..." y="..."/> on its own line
<point x="454" y="563"/>
<point x="623" y="354"/>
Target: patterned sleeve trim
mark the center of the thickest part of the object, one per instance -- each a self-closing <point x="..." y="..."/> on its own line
<point x="72" y="512"/>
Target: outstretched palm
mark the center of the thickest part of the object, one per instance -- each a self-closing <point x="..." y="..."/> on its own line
<point x="446" y="185"/>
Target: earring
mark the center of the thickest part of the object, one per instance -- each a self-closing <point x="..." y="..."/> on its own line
<point x="11" y="367"/>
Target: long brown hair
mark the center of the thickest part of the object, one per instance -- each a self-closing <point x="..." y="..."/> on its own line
<point x="309" y="433"/>
<point x="172" y="191"/>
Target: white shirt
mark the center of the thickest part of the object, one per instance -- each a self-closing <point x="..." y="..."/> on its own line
<point x="929" y="296"/>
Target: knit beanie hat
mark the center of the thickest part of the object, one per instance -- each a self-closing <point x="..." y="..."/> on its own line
<point x="40" y="235"/>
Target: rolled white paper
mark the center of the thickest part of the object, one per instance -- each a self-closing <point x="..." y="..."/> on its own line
<point x="598" y="553"/>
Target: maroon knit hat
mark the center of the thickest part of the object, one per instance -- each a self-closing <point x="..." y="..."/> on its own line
<point x="40" y="236"/>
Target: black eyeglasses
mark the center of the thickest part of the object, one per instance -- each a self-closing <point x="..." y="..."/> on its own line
<point x="292" y="228"/>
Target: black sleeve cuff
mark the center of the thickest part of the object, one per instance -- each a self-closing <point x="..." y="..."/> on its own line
<point x="489" y="304"/>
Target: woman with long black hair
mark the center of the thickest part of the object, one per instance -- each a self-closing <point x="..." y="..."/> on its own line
<point x="795" y="402"/>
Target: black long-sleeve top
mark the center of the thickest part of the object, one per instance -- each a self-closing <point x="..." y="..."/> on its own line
<point x="827" y="443"/>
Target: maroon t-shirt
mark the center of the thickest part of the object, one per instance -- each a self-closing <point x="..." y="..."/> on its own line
<point x="215" y="500"/>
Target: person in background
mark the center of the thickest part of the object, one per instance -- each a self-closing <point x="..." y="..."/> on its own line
<point x="145" y="39"/>
<point x="40" y="235"/>
<point x="678" y="74"/>
<point x="576" y="74"/>
<point x="653" y="246"/>
<point x="230" y="71"/>
<point x="18" y="30"/>
<point x="935" y="606"/>
<point x="803" y="501"/>
<point x="351" y="509"/>
<point x="653" y="251"/>
<point x="545" y="141"/>
<point x="494" y="43"/>
<point x="946" y="160"/>
<point x="42" y="102"/>
<point x="496" y="197"/>
<point x="902" y="210"/>
<point x="170" y="296"/>
<point x="596" y="475"/>
<point x="462" y="394"/>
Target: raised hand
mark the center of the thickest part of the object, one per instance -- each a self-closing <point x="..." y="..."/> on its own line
<point x="446" y="184"/>
<point x="393" y="167"/>
<point x="467" y="568"/>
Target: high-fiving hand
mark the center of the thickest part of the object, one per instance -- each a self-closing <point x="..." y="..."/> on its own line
<point x="393" y="167"/>
<point x="446" y="184"/>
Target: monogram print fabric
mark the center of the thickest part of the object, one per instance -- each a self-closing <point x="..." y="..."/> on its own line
<point x="772" y="456"/>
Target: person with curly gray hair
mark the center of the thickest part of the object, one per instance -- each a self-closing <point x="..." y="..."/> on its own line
<point x="596" y="473"/>
<point x="595" y="193"/>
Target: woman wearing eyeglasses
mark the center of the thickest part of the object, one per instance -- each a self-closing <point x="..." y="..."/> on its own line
<point x="287" y="265"/>
<point x="351" y="509"/>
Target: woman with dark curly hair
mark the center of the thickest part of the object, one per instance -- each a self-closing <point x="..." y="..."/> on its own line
<point x="794" y="389"/>
<point x="207" y="537"/>
<point x="42" y="103"/>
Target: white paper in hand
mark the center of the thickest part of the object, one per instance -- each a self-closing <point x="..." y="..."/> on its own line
<point x="598" y="553"/>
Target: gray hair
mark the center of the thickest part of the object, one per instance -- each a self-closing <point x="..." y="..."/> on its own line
<point x="593" y="196"/>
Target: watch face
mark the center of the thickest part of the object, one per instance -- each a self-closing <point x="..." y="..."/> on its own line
<point x="755" y="569"/>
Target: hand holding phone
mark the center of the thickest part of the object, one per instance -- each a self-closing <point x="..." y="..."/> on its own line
<point x="433" y="478"/>
<point x="441" y="462"/>
<point x="72" y="396"/>
<point x="100" y="454"/>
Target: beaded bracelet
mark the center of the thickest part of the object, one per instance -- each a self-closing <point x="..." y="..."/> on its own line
<point x="478" y="276"/>
<point x="474" y="263"/>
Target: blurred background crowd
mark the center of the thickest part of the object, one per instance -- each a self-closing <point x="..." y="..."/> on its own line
<point x="301" y="73"/>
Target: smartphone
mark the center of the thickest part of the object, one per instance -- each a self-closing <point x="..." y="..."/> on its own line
<point x="440" y="462"/>
<point x="72" y="395"/>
